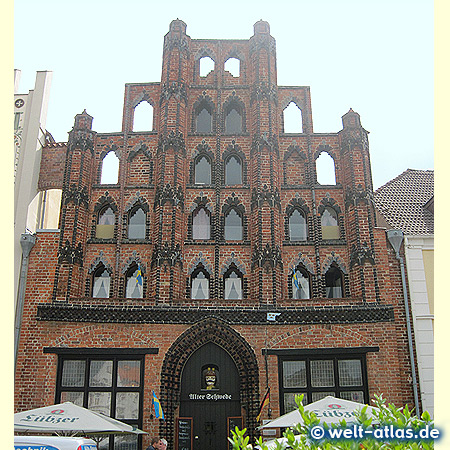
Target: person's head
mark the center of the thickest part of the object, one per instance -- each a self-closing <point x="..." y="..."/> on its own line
<point x="154" y="442"/>
<point x="162" y="444"/>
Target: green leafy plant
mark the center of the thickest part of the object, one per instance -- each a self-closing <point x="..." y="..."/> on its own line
<point x="386" y="417"/>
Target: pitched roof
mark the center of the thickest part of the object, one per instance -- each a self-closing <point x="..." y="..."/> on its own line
<point x="405" y="201"/>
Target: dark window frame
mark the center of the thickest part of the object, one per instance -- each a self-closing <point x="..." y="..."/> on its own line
<point x="200" y="269"/>
<point x="131" y="213"/>
<point x="114" y="389"/>
<point x="316" y="354"/>
<point x="301" y="269"/>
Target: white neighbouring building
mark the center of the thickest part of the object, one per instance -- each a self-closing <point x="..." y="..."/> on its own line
<point x="407" y="203"/>
<point x="33" y="208"/>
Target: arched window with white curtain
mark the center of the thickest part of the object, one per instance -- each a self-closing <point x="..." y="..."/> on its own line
<point x="200" y="285"/>
<point x="301" y="284"/>
<point x="101" y="282"/>
<point x="233" y="285"/>
<point x="134" y="282"/>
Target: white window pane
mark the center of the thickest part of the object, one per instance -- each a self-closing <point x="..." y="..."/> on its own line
<point x="203" y="171"/>
<point x="292" y="118"/>
<point x="325" y="169"/>
<point x="201" y="225"/>
<point x="300" y="286"/>
<point x="128" y="373"/>
<point x="297" y="227"/>
<point x="334" y="292"/>
<point x="233" y="122"/>
<point x="100" y="402"/>
<point x="206" y="65"/>
<point x="73" y="373"/>
<point x="135" y="287"/>
<point x="294" y="374"/>
<point x="233" y="287"/>
<point x="107" y="217"/>
<point x="104" y="443"/>
<point x="127" y="405"/>
<point x="289" y="401"/>
<point x="233" y="226"/>
<point x="101" y="285"/>
<point x="329" y="218"/>
<point x="233" y="172"/>
<point x="74" y="397"/>
<point x="350" y="373"/>
<point x="110" y="169"/>
<point x="143" y="117"/>
<point x="315" y="396"/>
<point x="200" y="287"/>
<point x="322" y="373"/>
<point x="100" y="374"/>
<point x="204" y="121"/>
<point x="354" y="396"/>
<point x="136" y="225"/>
<point x="232" y="65"/>
<point x="127" y="442"/>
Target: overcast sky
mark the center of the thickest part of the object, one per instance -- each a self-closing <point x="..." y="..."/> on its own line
<point x="375" y="56"/>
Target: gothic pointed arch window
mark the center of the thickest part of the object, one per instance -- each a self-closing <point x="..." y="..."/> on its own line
<point x="143" y="117"/>
<point x="202" y="170"/>
<point x="292" y="119"/>
<point x="301" y="283"/>
<point x="329" y="223"/>
<point x="203" y="120"/>
<point x="334" y="282"/>
<point x="325" y="169"/>
<point x="207" y="65"/>
<point x="233" y="170"/>
<point x="105" y="223"/>
<point x="233" y="120"/>
<point x="137" y="223"/>
<point x="233" y="225"/>
<point x="200" y="284"/>
<point x="233" y="65"/>
<point x="298" y="230"/>
<point x="134" y="283"/>
<point x="101" y="281"/>
<point x="110" y="169"/>
<point x="233" y="284"/>
<point x="201" y="224"/>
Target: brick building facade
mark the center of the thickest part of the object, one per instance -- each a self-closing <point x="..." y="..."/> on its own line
<point x="216" y="221"/>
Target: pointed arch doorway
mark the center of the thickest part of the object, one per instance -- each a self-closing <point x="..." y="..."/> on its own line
<point x="210" y="395"/>
<point x="209" y="344"/>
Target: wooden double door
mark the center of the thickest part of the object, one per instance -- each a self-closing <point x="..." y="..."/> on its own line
<point x="210" y="388"/>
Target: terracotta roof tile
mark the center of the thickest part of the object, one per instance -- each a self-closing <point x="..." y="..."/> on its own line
<point x="402" y="201"/>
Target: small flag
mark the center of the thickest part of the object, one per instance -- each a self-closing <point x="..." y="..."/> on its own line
<point x="157" y="406"/>
<point x="264" y="403"/>
<point x="295" y="278"/>
<point x="139" y="276"/>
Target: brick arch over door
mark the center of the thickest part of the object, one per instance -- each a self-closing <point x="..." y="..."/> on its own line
<point x="218" y="332"/>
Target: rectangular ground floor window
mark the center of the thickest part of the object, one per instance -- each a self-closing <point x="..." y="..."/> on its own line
<point x="317" y="376"/>
<point x="108" y="384"/>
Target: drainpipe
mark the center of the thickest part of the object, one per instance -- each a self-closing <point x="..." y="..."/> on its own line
<point x="395" y="237"/>
<point x="27" y="242"/>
